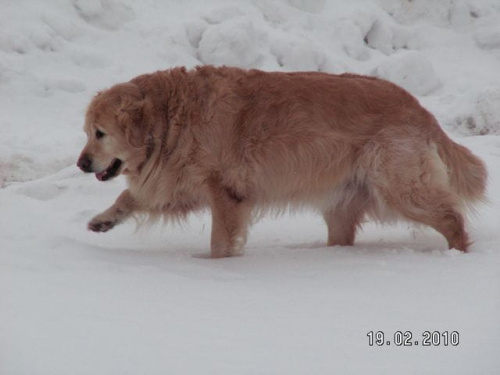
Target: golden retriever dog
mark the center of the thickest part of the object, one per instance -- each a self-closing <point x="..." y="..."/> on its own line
<point x="243" y="142"/>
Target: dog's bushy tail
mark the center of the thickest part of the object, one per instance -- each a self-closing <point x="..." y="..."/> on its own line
<point x="467" y="173"/>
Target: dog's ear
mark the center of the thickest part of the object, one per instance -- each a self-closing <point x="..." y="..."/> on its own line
<point x="130" y="114"/>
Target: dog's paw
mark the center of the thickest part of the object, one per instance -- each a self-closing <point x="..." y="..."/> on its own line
<point x="225" y="250"/>
<point x="98" y="225"/>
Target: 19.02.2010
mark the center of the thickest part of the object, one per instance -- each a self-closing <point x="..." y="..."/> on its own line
<point x="407" y="338"/>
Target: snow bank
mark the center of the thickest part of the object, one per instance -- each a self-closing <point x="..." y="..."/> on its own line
<point x="56" y="55"/>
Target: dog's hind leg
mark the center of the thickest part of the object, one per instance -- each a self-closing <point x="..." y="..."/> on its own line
<point x="343" y="217"/>
<point x="434" y="207"/>
<point x="418" y="188"/>
<point x="123" y="208"/>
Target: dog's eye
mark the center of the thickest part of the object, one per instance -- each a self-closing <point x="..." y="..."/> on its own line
<point x="99" y="134"/>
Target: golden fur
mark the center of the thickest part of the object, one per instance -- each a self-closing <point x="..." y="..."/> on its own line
<point x="241" y="142"/>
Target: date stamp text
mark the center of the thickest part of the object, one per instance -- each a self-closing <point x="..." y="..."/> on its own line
<point x="407" y="338"/>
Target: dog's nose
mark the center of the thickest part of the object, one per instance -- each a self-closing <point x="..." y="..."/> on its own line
<point x="84" y="163"/>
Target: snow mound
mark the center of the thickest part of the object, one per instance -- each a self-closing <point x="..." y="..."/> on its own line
<point x="486" y="118"/>
<point x="105" y="14"/>
<point x="235" y="42"/>
<point x="380" y="37"/>
<point x="443" y="13"/>
<point x="488" y="37"/>
<point x="298" y="54"/>
<point x="410" y="70"/>
<point x="313" y="6"/>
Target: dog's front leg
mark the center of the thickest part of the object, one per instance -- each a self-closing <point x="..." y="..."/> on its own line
<point x="123" y="208"/>
<point x="230" y="218"/>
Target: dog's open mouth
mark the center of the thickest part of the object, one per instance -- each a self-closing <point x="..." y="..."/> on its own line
<point x="110" y="172"/>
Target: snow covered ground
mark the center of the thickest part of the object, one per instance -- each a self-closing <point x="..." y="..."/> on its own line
<point x="74" y="302"/>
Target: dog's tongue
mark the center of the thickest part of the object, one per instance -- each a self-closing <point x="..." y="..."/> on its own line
<point x="101" y="176"/>
<point x="110" y="171"/>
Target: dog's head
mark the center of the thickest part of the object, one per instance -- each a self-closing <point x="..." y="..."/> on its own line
<point x="114" y="124"/>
